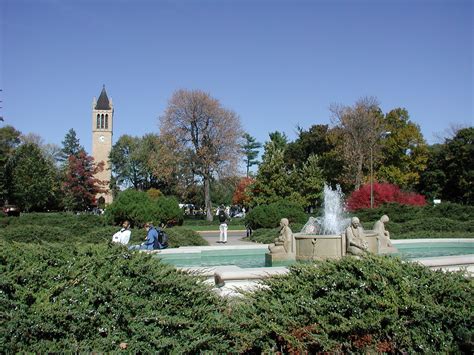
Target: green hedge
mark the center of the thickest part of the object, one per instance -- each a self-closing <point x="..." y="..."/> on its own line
<point x="269" y="216"/>
<point x="445" y="220"/>
<point x="214" y="223"/>
<point x="70" y="228"/>
<point x="268" y="235"/>
<point x="57" y="298"/>
<point x="139" y="208"/>
<point x="91" y="298"/>
<point x="402" y="213"/>
<point x="180" y="236"/>
<point x="377" y="304"/>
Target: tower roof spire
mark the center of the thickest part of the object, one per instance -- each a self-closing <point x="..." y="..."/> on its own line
<point x="103" y="101"/>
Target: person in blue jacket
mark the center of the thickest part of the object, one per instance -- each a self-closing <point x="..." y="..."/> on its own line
<point x="150" y="240"/>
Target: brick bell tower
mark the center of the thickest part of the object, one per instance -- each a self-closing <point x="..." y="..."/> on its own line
<point x="102" y="129"/>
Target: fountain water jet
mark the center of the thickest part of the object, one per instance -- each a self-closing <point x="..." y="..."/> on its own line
<point x="332" y="220"/>
<point x="324" y="237"/>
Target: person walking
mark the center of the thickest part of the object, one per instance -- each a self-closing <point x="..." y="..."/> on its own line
<point x="223" y="219"/>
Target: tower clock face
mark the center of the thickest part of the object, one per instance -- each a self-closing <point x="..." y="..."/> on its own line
<point x="101" y="139"/>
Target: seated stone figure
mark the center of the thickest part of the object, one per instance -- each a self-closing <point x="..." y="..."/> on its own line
<point x="355" y="243"/>
<point x="284" y="243"/>
<point x="385" y="245"/>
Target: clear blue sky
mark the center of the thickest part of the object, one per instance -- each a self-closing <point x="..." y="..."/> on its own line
<point x="278" y="64"/>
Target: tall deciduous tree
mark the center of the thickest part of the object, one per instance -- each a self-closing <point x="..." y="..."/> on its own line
<point x="196" y="125"/>
<point x="250" y="149"/>
<point x="360" y="127"/>
<point x="404" y="151"/>
<point x="126" y="164"/>
<point x="32" y="178"/>
<point x="132" y="161"/>
<point x="52" y="152"/>
<point x="80" y="185"/>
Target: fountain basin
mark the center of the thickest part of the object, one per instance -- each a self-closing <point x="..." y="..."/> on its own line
<point x="322" y="247"/>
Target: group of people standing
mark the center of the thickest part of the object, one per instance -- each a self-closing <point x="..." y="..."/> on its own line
<point x="155" y="237"/>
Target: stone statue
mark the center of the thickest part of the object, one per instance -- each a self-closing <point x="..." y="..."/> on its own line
<point x="284" y="243"/>
<point x="355" y="242"/>
<point x="385" y="245"/>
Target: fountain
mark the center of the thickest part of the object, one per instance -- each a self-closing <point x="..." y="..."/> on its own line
<point x="332" y="220"/>
<point x="326" y="237"/>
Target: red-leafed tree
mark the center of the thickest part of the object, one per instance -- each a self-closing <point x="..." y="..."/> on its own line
<point x="383" y="193"/>
<point x="242" y="194"/>
<point x="80" y="186"/>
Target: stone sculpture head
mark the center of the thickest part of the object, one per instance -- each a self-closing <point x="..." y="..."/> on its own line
<point x="355" y="222"/>
<point x="284" y="222"/>
<point x="384" y="219"/>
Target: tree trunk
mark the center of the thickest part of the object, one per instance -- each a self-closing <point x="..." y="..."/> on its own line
<point x="359" y="173"/>
<point x="207" y="198"/>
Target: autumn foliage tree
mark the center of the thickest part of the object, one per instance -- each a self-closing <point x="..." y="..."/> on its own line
<point x="242" y="193"/>
<point x="359" y="127"/>
<point x="383" y="193"/>
<point x="80" y="186"/>
<point x="203" y="135"/>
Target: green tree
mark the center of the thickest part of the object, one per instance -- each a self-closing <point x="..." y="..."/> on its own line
<point x="321" y="141"/>
<point x="459" y="167"/>
<point x="250" y="150"/>
<point x="80" y="186"/>
<point x="311" y="181"/>
<point x="9" y="140"/>
<point x="313" y="141"/>
<point x="223" y="189"/>
<point x="404" y="151"/>
<point x="52" y="152"/>
<point x="272" y="182"/>
<point x="32" y="178"/>
<point x="71" y="145"/>
<point x="150" y="147"/>
<point x="450" y="170"/>
<point x="433" y="179"/>
<point x="127" y="165"/>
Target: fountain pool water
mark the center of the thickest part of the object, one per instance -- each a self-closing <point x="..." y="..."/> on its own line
<point x="254" y="258"/>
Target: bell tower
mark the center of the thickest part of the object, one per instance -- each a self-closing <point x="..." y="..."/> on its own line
<point x="102" y="127"/>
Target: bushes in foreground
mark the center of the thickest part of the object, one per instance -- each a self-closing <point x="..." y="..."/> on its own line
<point x="92" y="298"/>
<point x="56" y="298"/>
<point x="377" y="304"/>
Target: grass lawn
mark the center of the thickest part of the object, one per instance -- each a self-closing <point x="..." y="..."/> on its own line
<point x="213" y="227"/>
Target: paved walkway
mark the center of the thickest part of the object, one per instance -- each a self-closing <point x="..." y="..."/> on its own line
<point x="233" y="237"/>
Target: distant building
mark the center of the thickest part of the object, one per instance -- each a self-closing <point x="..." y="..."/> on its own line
<point x="102" y="129"/>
